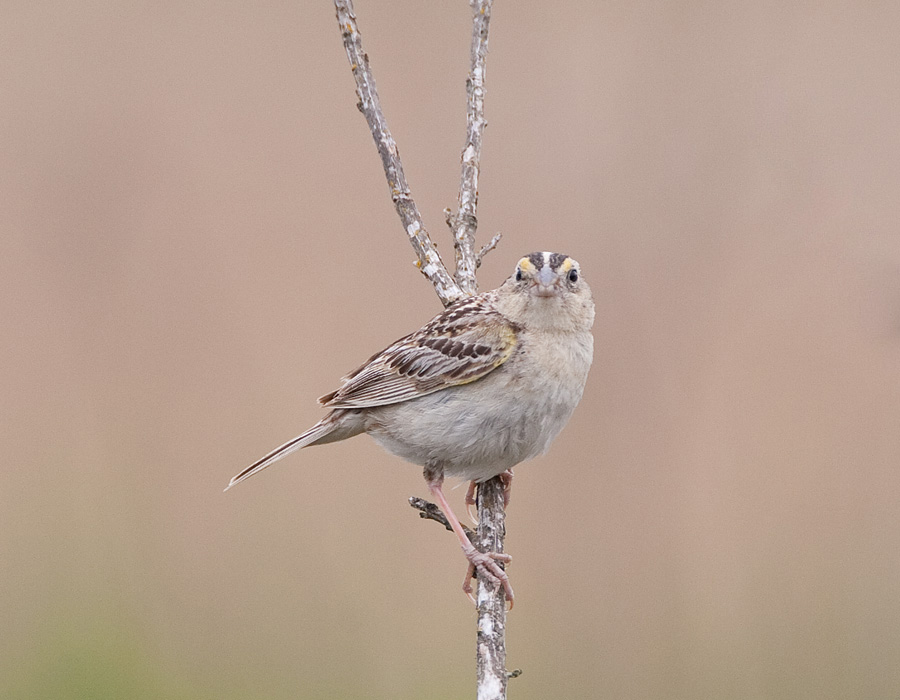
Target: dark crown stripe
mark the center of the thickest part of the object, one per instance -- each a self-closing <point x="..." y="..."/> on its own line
<point x="536" y="259"/>
<point x="557" y="259"/>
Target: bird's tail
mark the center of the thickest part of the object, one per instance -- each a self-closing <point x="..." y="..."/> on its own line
<point x="329" y="429"/>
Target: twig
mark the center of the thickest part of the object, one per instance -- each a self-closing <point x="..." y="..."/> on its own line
<point x="464" y="222"/>
<point x="487" y="248"/>
<point x="429" y="511"/>
<point x="429" y="261"/>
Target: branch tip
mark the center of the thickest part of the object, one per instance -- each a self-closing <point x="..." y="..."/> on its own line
<point x="430" y="511"/>
<point x="487" y="248"/>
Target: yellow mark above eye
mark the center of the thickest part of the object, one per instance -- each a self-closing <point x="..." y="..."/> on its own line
<point x="567" y="265"/>
<point x="525" y="265"/>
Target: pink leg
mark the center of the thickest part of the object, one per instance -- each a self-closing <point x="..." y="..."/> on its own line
<point x="507" y="479"/>
<point x="470" y="501"/>
<point x="485" y="563"/>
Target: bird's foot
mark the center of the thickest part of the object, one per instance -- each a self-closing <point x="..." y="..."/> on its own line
<point x="487" y="565"/>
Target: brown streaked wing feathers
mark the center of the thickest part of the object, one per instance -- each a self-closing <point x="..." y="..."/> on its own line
<point x="463" y="344"/>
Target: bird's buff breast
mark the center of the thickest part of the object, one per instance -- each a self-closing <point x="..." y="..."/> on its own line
<point x="478" y="430"/>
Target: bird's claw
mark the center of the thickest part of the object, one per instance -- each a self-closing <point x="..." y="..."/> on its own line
<point x="488" y="569"/>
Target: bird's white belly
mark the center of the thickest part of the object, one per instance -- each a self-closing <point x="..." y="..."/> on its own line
<point x="475" y="435"/>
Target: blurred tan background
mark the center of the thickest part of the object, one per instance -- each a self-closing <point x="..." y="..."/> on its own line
<point x="198" y="241"/>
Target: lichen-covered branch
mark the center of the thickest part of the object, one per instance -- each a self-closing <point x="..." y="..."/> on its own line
<point x="491" y="602"/>
<point x="464" y="222"/>
<point x="490" y="650"/>
<point x="429" y="261"/>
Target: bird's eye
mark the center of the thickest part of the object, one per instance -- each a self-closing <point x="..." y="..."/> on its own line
<point x="518" y="275"/>
<point x="573" y="275"/>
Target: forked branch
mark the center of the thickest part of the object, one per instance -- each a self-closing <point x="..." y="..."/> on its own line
<point x="491" y="605"/>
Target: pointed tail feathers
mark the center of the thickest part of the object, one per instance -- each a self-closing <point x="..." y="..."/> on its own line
<point x="318" y="431"/>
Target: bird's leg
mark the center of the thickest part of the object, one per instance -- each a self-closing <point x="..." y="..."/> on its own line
<point x="506" y="477"/>
<point x="485" y="563"/>
<point x="470" y="501"/>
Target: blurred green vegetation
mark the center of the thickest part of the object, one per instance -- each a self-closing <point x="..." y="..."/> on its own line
<point x="99" y="662"/>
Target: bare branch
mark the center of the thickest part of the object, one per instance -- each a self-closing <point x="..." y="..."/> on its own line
<point x="487" y="248"/>
<point x="491" y="602"/>
<point x="429" y="261"/>
<point x="429" y="511"/>
<point x="465" y="221"/>
<point x="490" y="649"/>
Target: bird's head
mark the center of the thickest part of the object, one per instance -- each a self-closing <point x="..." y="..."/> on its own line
<point x="547" y="290"/>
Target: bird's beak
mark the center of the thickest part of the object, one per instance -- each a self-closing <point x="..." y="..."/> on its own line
<point x="546" y="282"/>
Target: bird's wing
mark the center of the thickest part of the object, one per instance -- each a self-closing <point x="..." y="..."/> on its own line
<point x="464" y="343"/>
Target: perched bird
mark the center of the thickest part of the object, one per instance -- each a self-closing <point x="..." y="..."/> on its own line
<point x="484" y="385"/>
